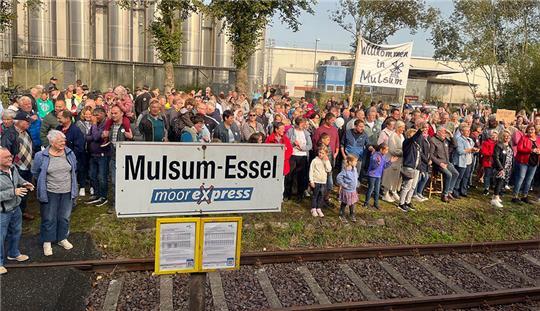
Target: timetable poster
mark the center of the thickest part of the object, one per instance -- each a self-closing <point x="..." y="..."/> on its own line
<point x="219" y="245"/>
<point x="177" y="246"/>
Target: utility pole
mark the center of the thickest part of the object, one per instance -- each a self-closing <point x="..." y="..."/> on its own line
<point x="355" y="71"/>
<point x="315" y="63"/>
<point x="91" y="46"/>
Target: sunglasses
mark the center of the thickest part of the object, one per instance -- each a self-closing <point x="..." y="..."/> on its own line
<point x="252" y="115"/>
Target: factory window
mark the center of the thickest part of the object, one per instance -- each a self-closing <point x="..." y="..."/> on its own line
<point x="329" y="88"/>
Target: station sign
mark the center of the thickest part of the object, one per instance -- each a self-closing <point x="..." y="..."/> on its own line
<point x="167" y="179"/>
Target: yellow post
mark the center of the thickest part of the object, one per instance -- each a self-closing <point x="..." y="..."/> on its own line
<point x="355" y="73"/>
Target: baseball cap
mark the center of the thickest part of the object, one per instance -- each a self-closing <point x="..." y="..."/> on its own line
<point x="53" y="78"/>
<point x="23" y="116"/>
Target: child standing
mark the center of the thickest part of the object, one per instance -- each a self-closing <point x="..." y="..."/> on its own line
<point x="324" y="142"/>
<point x="377" y="164"/>
<point x="347" y="180"/>
<point x="318" y="175"/>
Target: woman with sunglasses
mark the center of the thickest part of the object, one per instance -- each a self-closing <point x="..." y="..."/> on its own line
<point x="251" y="126"/>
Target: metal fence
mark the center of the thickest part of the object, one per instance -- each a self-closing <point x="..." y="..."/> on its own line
<point x="100" y="75"/>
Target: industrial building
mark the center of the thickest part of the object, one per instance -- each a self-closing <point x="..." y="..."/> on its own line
<point x="103" y="44"/>
<point x="298" y="70"/>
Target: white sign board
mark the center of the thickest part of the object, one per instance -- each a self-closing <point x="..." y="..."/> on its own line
<point x="219" y="245"/>
<point x="383" y="65"/>
<point x="163" y="179"/>
<point x="177" y="249"/>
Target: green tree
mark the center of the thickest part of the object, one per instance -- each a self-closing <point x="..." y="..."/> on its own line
<point x="8" y="11"/>
<point x="486" y="35"/>
<point x="166" y="30"/>
<point x="522" y="86"/>
<point x="377" y="20"/>
<point x="245" y="21"/>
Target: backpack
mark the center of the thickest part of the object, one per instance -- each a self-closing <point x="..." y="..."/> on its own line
<point x="178" y="124"/>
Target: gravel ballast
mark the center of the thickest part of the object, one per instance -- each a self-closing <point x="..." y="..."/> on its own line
<point x="289" y="285"/>
<point x="334" y="282"/>
<point x="242" y="290"/>
<point x="382" y="284"/>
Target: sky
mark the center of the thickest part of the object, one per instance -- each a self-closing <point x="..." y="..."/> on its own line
<point x="333" y="37"/>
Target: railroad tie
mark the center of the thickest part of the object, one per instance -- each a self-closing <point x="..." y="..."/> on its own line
<point x="531" y="259"/>
<point x="446" y="281"/>
<point x="315" y="288"/>
<point x="220" y="304"/>
<point x="401" y="280"/>
<point x="479" y="274"/>
<point x="364" y="288"/>
<point x="113" y="293"/>
<point x="165" y="293"/>
<point x="268" y="289"/>
<point x="514" y="271"/>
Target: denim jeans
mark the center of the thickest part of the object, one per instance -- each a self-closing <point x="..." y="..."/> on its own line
<point x="317" y="200"/>
<point x="462" y="182"/>
<point x="422" y="182"/>
<point x="99" y="175"/>
<point x="10" y="228"/>
<point x="450" y="176"/>
<point x="112" y="169"/>
<point x="82" y="171"/>
<point x="488" y="176"/>
<point x="524" y="177"/>
<point x="374" y="187"/>
<point x="26" y="175"/>
<point x="55" y="217"/>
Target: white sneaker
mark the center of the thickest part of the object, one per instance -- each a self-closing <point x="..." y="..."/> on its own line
<point x="496" y="203"/>
<point x="47" y="249"/>
<point x="388" y="198"/>
<point x="395" y="196"/>
<point x="314" y="213"/>
<point x="507" y="187"/>
<point x="307" y="194"/>
<point x="91" y="191"/>
<point x="320" y="213"/>
<point x="417" y="198"/>
<point x="423" y="198"/>
<point x="3" y="270"/>
<point x="499" y="199"/>
<point x="82" y="192"/>
<point x="65" y="244"/>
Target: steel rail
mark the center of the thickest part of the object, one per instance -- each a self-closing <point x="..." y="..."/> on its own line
<point x="498" y="297"/>
<point x="260" y="258"/>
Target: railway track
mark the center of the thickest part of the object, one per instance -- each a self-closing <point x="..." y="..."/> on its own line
<point x="417" y="277"/>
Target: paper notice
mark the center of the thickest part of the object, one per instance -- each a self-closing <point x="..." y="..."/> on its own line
<point x="219" y="245"/>
<point x="177" y="248"/>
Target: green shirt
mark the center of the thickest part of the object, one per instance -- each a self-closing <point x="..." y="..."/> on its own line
<point x="44" y="107"/>
<point x="159" y="128"/>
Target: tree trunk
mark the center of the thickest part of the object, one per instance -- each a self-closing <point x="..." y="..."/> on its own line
<point x="242" y="80"/>
<point x="169" y="76"/>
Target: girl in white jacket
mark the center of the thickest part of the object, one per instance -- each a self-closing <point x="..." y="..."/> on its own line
<point x="318" y="174"/>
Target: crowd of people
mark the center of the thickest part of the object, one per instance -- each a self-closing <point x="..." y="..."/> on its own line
<point x="63" y="142"/>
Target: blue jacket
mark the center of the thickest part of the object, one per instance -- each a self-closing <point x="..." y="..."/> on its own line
<point x="33" y="130"/>
<point x="412" y="150"/>
<point x="355" y="145"/>
<point x="75" y="140"/>
<point x="348" y="180"/>
<point x="459" y="156"/>
<point x="377" y="164"/>
<point x="39" y="170"/>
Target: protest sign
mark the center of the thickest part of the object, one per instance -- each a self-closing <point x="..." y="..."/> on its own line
<point x="383" y="65"/>
<point x="506" y="115"/>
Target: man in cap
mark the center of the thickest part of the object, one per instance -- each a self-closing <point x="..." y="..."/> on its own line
<point x="52" y="84"/>
<point x="142" y="101"/>
<point x="19" y="143"/>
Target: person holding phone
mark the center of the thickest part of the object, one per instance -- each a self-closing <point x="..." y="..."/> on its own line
<point x="12" y="189"/>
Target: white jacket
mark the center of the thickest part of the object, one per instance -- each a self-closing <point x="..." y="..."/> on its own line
<point x="318" y="170"/>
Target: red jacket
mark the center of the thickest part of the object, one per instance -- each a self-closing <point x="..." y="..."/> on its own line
<point x="524" y="149"/>
<point x="487" y="149"/>
<point x="271" y="139"/>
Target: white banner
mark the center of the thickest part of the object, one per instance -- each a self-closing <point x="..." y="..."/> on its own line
<point x="383" y="65"/>
<point x="163" y="179"/>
